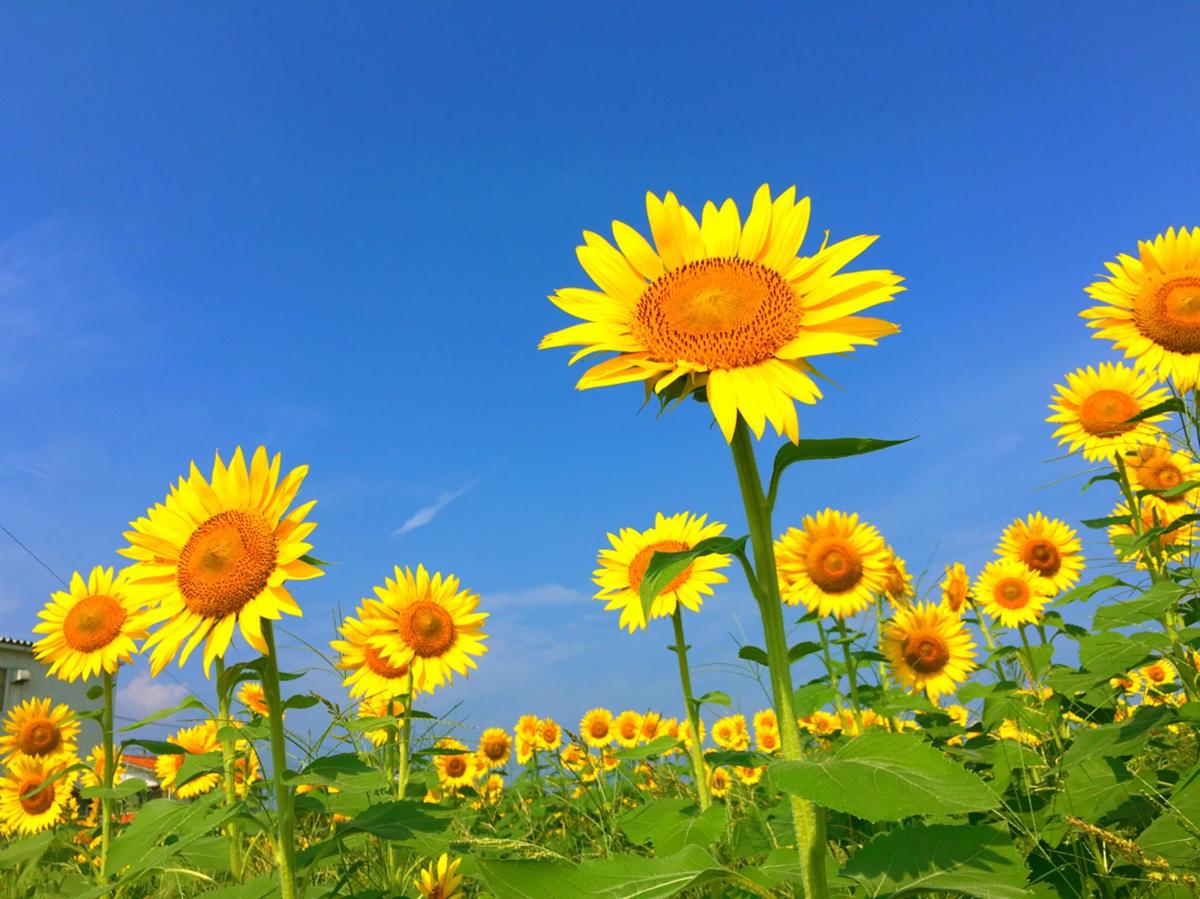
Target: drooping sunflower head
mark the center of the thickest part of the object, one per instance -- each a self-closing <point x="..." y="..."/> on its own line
<point x="199" y="739"/>
<point x="440" y="879"/>
<point x="731" y="732"/>
<point x="34" y="729"/>
<point x="92" y="626"/>
<point x="495" y="746"/>
<point x="427" y="623"/>
<point x="1156" y="467"/>
<point x="623" y="566"/>
<point x="253" y="697"/>
<point x="1011" y="592"/>
<point x="455" y="769"/>
<point x="596" y="728"/>
<point x="898" y="585"/>
<point x="719" y="782"/>
<point x="834" y="564"/>
<point x="1150" y="306"/>
<point x="929" y="649"/>
<point x="33" y="795"/>
<point x="217" y="554"/>
<point x="956" y="588"/>
<point x="1094" y="408"/>
<point x="722" y="307"/>
<point x="627" y="728"/>
<point x="370" y="672"/>
<point x="1170" y="539"/>
<point x="1047" y="547"/>
<point x="382" y="705"/>
<point x="549" y="735"/>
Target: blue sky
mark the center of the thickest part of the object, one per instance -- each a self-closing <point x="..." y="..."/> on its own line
<point x="332" y="230"/>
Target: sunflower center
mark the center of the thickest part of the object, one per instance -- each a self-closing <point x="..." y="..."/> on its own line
<point x="39" y="736"/>
<point x="1168" y="312"/>
<point x="226" y="562"/>
<point x="427" y="628"/>
<point x="598" y="728"/>
<point x="1162" y="476"/>
<point x="494" y="750"/>
<point x="549" y="733"/>
<point x="1106" y="413"/>
<point x="637" y="568"/>
<point x="926" y="653"/>
<point x="1156" y="673"/>
<point x="379" y="665"/>
<point x="1012" y="593"/>
<point x="629" y="730"/>
<point x="717" y="313"/>
<point x="1042" y="556"/>
<point x="834" y="565"/>
<point x="93" y="623"/>
<point x="456" y="766"/>
<point x="39" y="804"/>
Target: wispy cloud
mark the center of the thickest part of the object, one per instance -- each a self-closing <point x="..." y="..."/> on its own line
<point x="426" y="514"/>
<point x="535" y="598"/>
<point x="142" y="695"/>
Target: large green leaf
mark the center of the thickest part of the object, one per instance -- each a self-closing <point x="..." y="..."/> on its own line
<point x="1120" y="739"/>
<point x="1110" y="653"/>
<point x="671" y="824"/>
<point x="974" y="861"/>
<point x="1151" y="604"/>
<point x="665" y="567"/>
<point x="1090" y="589"/>
<point x="1173" y="835"/>
<point x="886" y="777"/>
<point x="831" y="448"/>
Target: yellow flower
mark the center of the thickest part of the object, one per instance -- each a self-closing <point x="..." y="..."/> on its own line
<point x="959" y="715"/>
<point x="956" y="588"/>
<point x="730" y="733"/>
<point x="97" y="766"/>
<point x="834" y="564"/>
<point x="441" y="880"/>
<point x="91" y="626"/>
<point x="1010" y="730"/>
<point x="627" y="727"/>
<point x="1094" y="408"/>
<point x="722" y="307"/>
<point x="495" y="747"/>
<point x="35" y="730"/>
<point x="253" y="697"/>
<point x="195" y="740"/>
<point x="1151" y="306"/>
<point x="382" y="705"/>
<point x="685" y="733"/>
<point x="492" y="789"/>
<point x="457" y="769"/>
<point x="1046" y="546"/>
<point x="527" y="728"/>
<point x="370" y="673"/>
<point x="898" y="586"/>
<point x="766" y="739"/>
<point x="596" y="728"/>
<point x="26" y="806"/>
<point x="218" y="555"/>
<point x="929" y="649"/>
<point x="1012" y="593"/>
<point x="1157" y="674"/>
<point x="820" y="723"/>
<point x="524" y="750"/>
<point x="750" y="776"/>
<point x="549" y="735"/>
<point x="719" y="782"/>
<point x="1154" y="513"/>
<point x="1156" y="467"/>
<point x="622" y="568"/>
<point x="1128" y="684"/>
<point x="650" y="726"/>
<point x="426" y="623"/>
<point x="574" y="757"/>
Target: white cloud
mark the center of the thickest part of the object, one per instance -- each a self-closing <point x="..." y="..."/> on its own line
<point x="534" y="597"/>
<point x="426" y="514"/>
<point x="143" y="695"/>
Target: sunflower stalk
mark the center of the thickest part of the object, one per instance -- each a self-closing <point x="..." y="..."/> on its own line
<point x="405" y="740"/>
<point x="285" y="845"/>
<point x="851" y="670"/>
<point x="228" y="775"/>
<point x="109" y="775"/>
<point x="808" y="818"/>
<point x="693" y="711"/>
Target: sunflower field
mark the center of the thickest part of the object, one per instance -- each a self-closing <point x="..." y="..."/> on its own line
<point x="1026" y="730"/>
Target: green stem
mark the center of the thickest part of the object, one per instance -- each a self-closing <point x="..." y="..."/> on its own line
<point x="405" y="743"/>
<point x="808" y="818"/>
<point x="109" y="775"/>
<point x="851" y="670"/>
<point x="285" y="845"/>
<point x="834" y="680"/>
<point x="229" y="775"/>
<point x="693" y="713"/>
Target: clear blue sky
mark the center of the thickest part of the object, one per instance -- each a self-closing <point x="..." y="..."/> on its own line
<point x="332" y="229"/>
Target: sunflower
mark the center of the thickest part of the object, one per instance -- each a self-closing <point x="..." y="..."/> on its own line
<point x="650" y="726"/>
<point x="253" y="697"/>
<point x="730" y="732"/>
<point x="492" y="789"/>
<point x="1128" y="683"/>
<point x="574" y="757"/>
<point x="1151" y="306"/>
<point x="596" y="728"/>
<point x="35" y="730"/>
<point x="426" y="623"/>
<point x="766" y="739"/>
<point x="93" y="776"/>
<point x="622" y="568"/>
<point x="750" y="776"/>
<point x="549" y="735"/>
<point x="627" y="727"/>
<point x="441" y="880"/>
<point x="455" y="770"/>
<point x="1154" y="513"/>
<point x="956" y="588"/>
<point x="1047" y="547"/>
<point x="929" y="649"/>
<point x="766" y="719"/>
<point x="1010" y="730"/>
<point x="495" y="746"/>
<point x="217" y="554"/>
<point x="820" y="722"/>
<point x="524" y="749"/>
<point x="381" y="705"/>
<point x="898" y="585"/>
<point x="685" y="733"/>
<point x="91" y="626"/>
<point x="835" y="564"/>
<point x="26" y="806"/>
<point x="195" y="740"/>
<point x="370" y="673"/>
<point x="723" y="308"/>
<point x="527" y="728"/>
<point x="719" y="782"/>
<point x="1156" y="467"/>
<point x="1094" y="408"/>
<point x="1157" y="674"/>
<point x="1012" y="593"/>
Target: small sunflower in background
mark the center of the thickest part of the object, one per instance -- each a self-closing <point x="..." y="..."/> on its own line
<point x="92" y="626"/>
<point x="750" y="776"/>
<point x="97" y="766"/>
<point x="731" y="732"/>
<point x="1154" y="514"/>
<point x="627" y="728"/>
<point x="34" y="729"/>
<point x="1157" y="674"/>
<point x="495" y="747"/>
<point x="440" y="879"/>
<point x="622" y="568"/>
<point x="685" y="733"/>
<point x="1094" y="409"/>
<point x="834" y="564"/>
<point x="1151" y="306"/>
<point x="651" y="722"/>
<point x="1156" y="467"/>
<point x="549" y="735"/>
<point x="382" y="705"/>
<point x="527" y="729"/>
<point x="370" y="674"/>
<point x="719" y="782"/>
<point x="253" y="697"/>
<point x="217" y="554"/>
<point x="956" y="588"/>
<point x="898" y="585"/>
<point x="195" y="740"/>
<point x="929" y="649"/>
<point x="722" y="306"/>
<point x="596" y="728"/>
<point x="34" y="794"/>
<point x="766" y="719"/>
<point x="1012" y="593"/>
<point x="455" y="769"/>
<point x="1046" y="546"/>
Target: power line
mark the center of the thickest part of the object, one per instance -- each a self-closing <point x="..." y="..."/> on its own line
<point x="34" y="555"/>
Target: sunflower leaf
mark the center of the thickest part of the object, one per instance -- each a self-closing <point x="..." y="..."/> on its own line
<point x="1090" y="589"/>
<point x="830" y="448"/>
<point x="1158" y="599"/>
<point x="657" y="746"/>
<point x="1111" y="476"/>
<point x="191" y="702"/>
<point x="1174" y="404"/>
<point x="1108" y="521"/>
<point x="753" y="654"/>
<point x="665" y="567"/>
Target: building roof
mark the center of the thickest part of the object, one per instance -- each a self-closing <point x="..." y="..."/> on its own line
<point x="15" y="642"/>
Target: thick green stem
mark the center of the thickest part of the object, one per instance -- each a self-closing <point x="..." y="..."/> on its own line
<point x="851" y="670"/>
<point x="834" y="680"/>
<point x="109" y="775"/>
<point x="693" y="713"/>
<point x="229" y="774"/>
<point x="405" y="743"/>
<point x="285" y="844"/>
<point x="808" y="818"/>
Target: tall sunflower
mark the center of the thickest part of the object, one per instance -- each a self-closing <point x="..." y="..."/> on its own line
<point x="370" y="673"/>
<point x="218" y="554"/>
<point x="195" y="740"/>
<point x="622" y="568"/>
<point x="26" y="806"/>
<point x="35" y="730"/>
<point x="1151" y="306"/>
<point x="834" y="564"/>
<point x="90" y="627"/>
<point x="1046" y="546"/>
<point x="253" y="697"/>
<point x="1156" y="467"/>
<point x="722" y="307"/>
<point x="1094" y="409"/>
<point x="1011" y="592"/>
<point x="426" y="623"/>
<point x="929" y="648"/>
